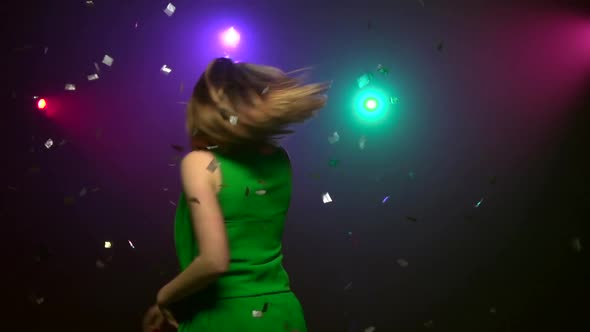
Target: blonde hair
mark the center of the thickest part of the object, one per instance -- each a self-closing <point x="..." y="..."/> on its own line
<point x="242" y="104"/>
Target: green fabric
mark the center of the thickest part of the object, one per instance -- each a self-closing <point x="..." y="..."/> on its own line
<point x="254" y="221"/>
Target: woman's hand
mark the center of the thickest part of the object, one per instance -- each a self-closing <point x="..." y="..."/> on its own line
<point x="168" y="316"/>
<point x="162" y="303"/>
<point x="153" y="319"/>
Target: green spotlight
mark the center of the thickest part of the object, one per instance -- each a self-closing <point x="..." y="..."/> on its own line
<point x="371" y="104"/>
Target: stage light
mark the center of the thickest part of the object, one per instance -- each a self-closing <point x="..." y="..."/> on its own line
<point x="371" y="104"/>
<point x="231" y="38"/>
<point x="41" y="104"/>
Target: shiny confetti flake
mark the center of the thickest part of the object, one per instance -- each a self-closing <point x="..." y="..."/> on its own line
<point x="576" y="244"/>
<point x="45" y="50"/>
<point x="170" y="9"/>
<point x="171" y="165"/>
<point x="213" y="165"/>
<point x="370" y="329"/>
<point x="172" y="203"/>
<point x="402" y="262"/>
<point x="382" y="69"/>
<point x="97" y="67"/>
<point x="178" y="148"/>
<point x="257" y="313"/>
<point x="260" y="192"/>
<point x="165" y="70"/>
<point x="326" y="198"/>
<point x="385" y="199"/>
<point x="131" y="244"/>
<point x="49" y="143"/>
<point x="89" y="3"/>
<point x="92" y="77"/>
<point x="136" y="26"/>
<point x="108" y="244"/>
<point x="394" y="100"/>
<point x="265" y="90"/>
<point x="233" y="120"/>
<point x="478" y="203"/>
<point x="83" y="192"/>
<point x="107" y="60"/>
<point x="362" y="142"/>
<point x="364" y="80"/>
<point x="212" y="147"/>
<point x="334" y="138"/>
<point x="334" y="162"/>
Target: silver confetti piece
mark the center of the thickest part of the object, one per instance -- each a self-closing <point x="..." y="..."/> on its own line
<point x="70" y="87"/>
<point x="97" y="67"/>
<point x="165" y="189"/>
<point x="265" y="90"/>
<point x="45" y="50"/>
<point x="171" y="202"/>
<point x="478" y="203"/>
<point x="170" y="9"/>
<point x="89" y="3"/>
<point x="334" y="138"/>
<point x="108" y="244"/>
<point x="362" y="142"/>
<point x="364" y="80"/>
<point x="260" y="192"/>
<point x="212" y="147"/>
<point x="49" y="143"/>
<point x="233" y="120"/>
<point x="326" y="198"/>
<point x="165" y="70"/>
<point x="213" y="165"/>
<point x="107" y="60"/>
<point x="83" y="192"/>
<point x="131" y="244"/>
<point x="256" y="313"/>
<point x="402" y="262"/>
<point x="92" y="77"/>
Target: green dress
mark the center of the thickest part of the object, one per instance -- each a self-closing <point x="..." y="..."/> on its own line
<point x="254" y="295"/>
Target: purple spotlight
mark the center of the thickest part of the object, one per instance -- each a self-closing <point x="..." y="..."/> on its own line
<point x="230" y="37"/>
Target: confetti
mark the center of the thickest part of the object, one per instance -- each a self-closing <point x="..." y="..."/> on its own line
<point x="83" y="192"/>
<point x="170" y="9"/>
<point x="385" y="199"/>
<point x="370" y="329"/>
<point x="194" y="200"/>
<point x="364" y="80"/>
<point x="165" y="189"/>
<point x="92" y="77"/>
<point x="97" y="67"/>
<point x="326" y="198"/>
<point x="247" y="191"/>
<point x="576" y="244"/>
<point x="108" y="244"/>
<point x="131" y="244"/>
<point x="382" y="69"/>
<point x="213" y="165"/>
<point x="233" y="120"/>
<point x="178" y="148"/>
<point x="165" y="70"/>
<point x="394" y="100"/>
<point x="362" y="142"/>
<point x="334" y="163"/>
<point x="45" y="50"/>
<point x="265" y="90"/>
<point x="69" y="200"/>
<point x="89" y="3"/>
<point x="260" y="192"/>
<point x="411" y="219"/>
<point x="107" y="60"/>
<point x="402" y="262"/>
<point x="171" y="202"/>
<point x="49" y="143"/>
<point x="440" y="46"/>
<point x="212" y="147"/>
<point x="334" y="138"/>
<point x="100" y="264"/>
<point x="136" y="25"/>
<point x="429" y="324"/>
<point x="256" y="313"/>
<point x="478" y="203"/>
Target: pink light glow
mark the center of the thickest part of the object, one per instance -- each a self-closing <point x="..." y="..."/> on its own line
<point x="231" y="37"/>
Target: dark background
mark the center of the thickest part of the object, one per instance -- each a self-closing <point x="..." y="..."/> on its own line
<point x="501" y="113"/>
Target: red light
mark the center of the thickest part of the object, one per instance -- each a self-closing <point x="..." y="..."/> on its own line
<point x="41" y="104"/>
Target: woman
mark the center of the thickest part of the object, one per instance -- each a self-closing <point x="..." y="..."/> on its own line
<point x="236" y="192"/>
